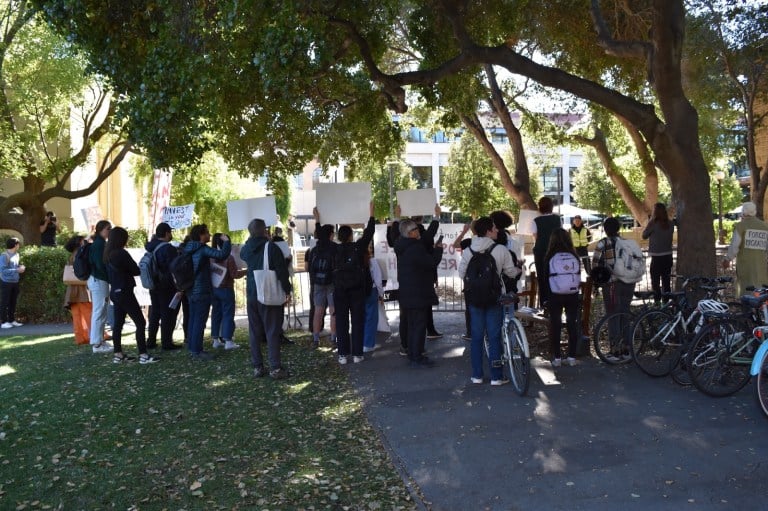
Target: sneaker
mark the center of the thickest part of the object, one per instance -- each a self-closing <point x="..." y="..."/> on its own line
<point x="434" y="335"/>
<point x="570" y="361"/>
<point x="217" y="343"/>
<point x="147" y="359"/>
<point x="119" y="358"/>
<point x="497" y="383"/>
<point x="231" y="345"/>
<point x="357" y="360"/>
<point x="466" y="337"/>
<point x="403" y="351"/>
<point x="612" y="358"/>
<point x="556" y="362"/>
<point x="103" y="348"/>
<point x="315" y="345"/>
<point x="280" y="373"/>
<point x="16" y="323"/>
<point x="260" y="371"/>
<point x="476" y="380"/>
<point x="626" y="357"/>
<point x="342" y="359"/>
<point x="6" y="325"/>
<point x="369" y="350"/>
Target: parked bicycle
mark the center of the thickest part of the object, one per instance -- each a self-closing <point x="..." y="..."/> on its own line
<point x="610" y="337"/>
<point x="515" y="354"/>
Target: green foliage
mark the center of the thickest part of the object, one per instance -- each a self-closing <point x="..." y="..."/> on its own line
<point x="594" y="190"/>
<point x="41" y="296"/>
<point x="732" y="195"/>
<point x="378" y="174"/>
<point x="137" y="238"/>
<point x="471" y="183"/>
<point x="191" y="426"/>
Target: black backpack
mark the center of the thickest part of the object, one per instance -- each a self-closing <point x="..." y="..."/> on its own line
<point x="182" y="269"/>
<point x="322" y="264"/>
<point x="350" y="272"/>
<point x="482" y="284"/>
<point x="81" y="263"/>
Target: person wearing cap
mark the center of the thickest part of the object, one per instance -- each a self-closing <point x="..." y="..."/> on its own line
<point x="161" y="316"/>
<point x="749" y="243"/>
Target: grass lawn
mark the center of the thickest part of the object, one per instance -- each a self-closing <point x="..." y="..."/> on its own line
<point x="78" y="432"/>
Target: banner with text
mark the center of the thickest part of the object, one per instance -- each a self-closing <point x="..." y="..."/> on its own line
<point x="178" y="217"/>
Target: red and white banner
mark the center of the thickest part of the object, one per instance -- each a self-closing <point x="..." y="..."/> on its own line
<point x="161" y="198"/>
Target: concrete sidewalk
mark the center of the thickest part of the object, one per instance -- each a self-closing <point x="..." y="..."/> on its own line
<point x="595" y="437"/>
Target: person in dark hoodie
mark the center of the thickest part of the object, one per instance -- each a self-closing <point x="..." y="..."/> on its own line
<point x="201" y="295"/>
<point x="161" y="316"/>
<point x="415" y="274"/>
<point x="264" y="321"/>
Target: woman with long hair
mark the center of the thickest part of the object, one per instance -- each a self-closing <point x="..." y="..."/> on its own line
<point x="659" y="232"/>
<point x="122" y="270"/>
<point x="563" y="273"/>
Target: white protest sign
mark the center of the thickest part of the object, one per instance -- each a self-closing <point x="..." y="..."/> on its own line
<point x="178" y="217"/>
<point x="525" y="222"/>
<point x="343" y="203"/>
<point x="417" y="202"/>
<point x="302" y="202"/>
<point x="241" y="212"/>
<point x="91" y="216"/>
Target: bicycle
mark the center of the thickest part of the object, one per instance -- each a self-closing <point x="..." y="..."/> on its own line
<point x="515" y="354"/>
<point x="759" y="370"/>
<point x="610" y="335"/>
<point x="721" y="355"/>
<point x="659" y="335"/>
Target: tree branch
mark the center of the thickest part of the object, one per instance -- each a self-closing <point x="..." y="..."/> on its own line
<point x="622" y="49"/>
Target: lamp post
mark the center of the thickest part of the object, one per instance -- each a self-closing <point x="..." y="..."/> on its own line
<point x="391" y="167"/>
<point x="719" y="176"/>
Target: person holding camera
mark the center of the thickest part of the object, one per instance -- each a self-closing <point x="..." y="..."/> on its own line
<point x="49" y="227"/>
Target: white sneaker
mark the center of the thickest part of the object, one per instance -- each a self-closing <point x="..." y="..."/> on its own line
<point x="342" y="359"/>
<point x="556" y="362"/>
<point x="369" y="350"/>
<point x="357" y="360"/>
<point x="476" y="380"/>
<point x="497" y="383"/>
<point x="570" y="361"/>
<point x="217" y="343"/>
<point x="16" y="323"/>
<point x="6" y="325"/>
<point x="231" y="345"/>
<point x="103" y="348"/>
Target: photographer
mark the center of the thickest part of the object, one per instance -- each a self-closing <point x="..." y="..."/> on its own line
<point x="49" y="226"/>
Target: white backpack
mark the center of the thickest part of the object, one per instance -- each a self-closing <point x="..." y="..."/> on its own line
<point x="564" y="273"/>
<point x="629" y="261"/>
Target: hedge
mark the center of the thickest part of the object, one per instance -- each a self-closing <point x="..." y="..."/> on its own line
<point x="41" y="296"/>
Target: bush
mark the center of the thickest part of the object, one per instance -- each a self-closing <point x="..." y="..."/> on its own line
<point x="41" y="296"/>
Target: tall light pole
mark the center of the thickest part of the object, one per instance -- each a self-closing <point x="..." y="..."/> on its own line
<point x="391" y="167"/>
<point x="719" y="176"/>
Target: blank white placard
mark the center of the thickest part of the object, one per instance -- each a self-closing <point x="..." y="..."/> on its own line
<point x="417" y="202"/>
<point x="343" y="203"/>
<point x="241" y="212"/>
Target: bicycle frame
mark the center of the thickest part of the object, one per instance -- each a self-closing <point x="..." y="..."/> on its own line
<point x="509" y="317"/>
<point x="757" y="362"/>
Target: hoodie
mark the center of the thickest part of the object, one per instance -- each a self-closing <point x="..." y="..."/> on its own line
<point x="201" y="258"/>
<point x="500" y="253"/>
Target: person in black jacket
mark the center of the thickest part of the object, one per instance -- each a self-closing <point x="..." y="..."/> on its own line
<point x="121" y="270"/>
<point x="161" y="316"/>
<point x="415" y="274"/>
<point x="351" y="284"/>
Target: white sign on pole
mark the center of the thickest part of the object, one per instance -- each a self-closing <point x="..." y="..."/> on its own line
<point x="302" y="202"/>
<point x="241" y="212"/>
<point x="343" y="203"/>
<point x="178" y="217"/>
<point x="525" y="222"/>
<point x="92" y="215"/>
<point x="417" y="202"/>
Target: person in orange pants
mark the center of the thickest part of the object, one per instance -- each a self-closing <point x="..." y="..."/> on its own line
<point x="77" y="299"/>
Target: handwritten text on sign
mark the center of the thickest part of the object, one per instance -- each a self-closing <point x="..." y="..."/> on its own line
<point x="178" y="216"/>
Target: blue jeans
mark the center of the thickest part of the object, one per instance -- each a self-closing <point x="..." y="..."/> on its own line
<point x="486" y="321"/>
<point x="100" y="298"/>
<point x="223" y="313"/>
<point x="371" y="318"/>
<point x="199" y="308"/>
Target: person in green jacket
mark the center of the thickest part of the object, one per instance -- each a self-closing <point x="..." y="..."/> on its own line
<point x="749" y="244"/>
<point x="98" y="284"/>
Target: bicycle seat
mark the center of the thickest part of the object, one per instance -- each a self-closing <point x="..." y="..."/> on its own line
<point x="644" y="295"/>
<point x="712" y="289"/>
<point x="754" y="301"/>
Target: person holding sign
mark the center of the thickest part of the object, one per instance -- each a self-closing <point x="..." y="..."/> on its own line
<point x="748" y="246"/>
<point x="264" y="321"/>
<point x="161" y="316"/>
<point x="351" y="284"/>
<point x="223" y="275"/>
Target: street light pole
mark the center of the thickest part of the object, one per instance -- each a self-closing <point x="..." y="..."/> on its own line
<point x="719" y="176"/>
<point x="391" y="167"/>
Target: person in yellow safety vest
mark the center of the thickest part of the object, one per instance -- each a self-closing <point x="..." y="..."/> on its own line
<point x="581" y="236"/>
<point x="749" y="244"/>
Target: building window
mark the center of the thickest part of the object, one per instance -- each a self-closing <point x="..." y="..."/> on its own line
<point x="317" y="175"/>
<point x="422" y="176"/>
<point x="298" y="181"/>
<point x="552" y="181"/>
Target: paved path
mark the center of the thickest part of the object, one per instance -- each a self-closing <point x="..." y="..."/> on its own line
<point x="598" y="438"/>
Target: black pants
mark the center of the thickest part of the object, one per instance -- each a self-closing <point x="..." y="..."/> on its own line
<point x="541" y="280"/>
<point x="161" y="317"/>
<point x="416" y="329"/>
<point x="125" y="303"/>
<point x="557" y="303"/>
<point x="661" y="270"/>
<point x="10" y="295"/>
<point x="349" y="305"/>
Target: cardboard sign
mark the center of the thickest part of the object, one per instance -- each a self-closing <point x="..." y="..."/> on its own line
<point x="241" y="212"/>
<point x="91" y="216"/>
<point x="525" y="222"/>
<point x="417" y="202"/>
<point x="178" y="217"/>
<point x="343" y="203"/>
<point x="302" y="202"/>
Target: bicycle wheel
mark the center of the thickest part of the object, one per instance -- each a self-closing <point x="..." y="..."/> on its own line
<point x="609" y="338"/>
<point x="518" y="363"/>
<point x="657" y="339"/>
<point x="680" y="371"/>
<point x="761" y="385"/>
<point x="709" y="359"/>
